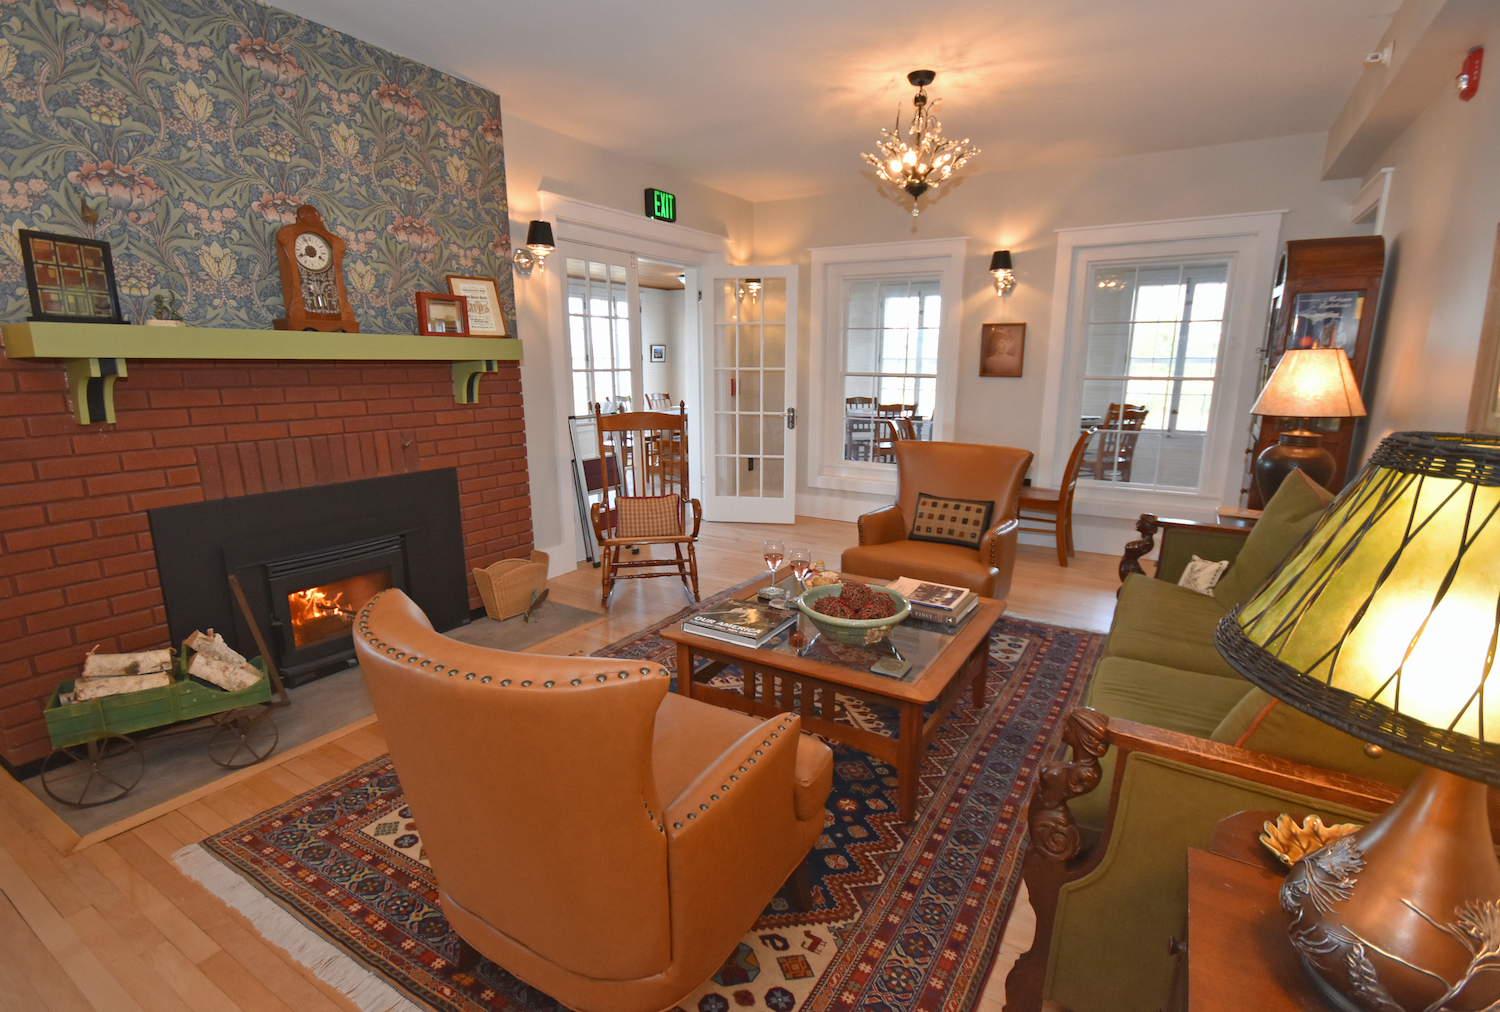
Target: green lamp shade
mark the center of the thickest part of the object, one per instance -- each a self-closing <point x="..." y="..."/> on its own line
<point x="1384" y="622"/>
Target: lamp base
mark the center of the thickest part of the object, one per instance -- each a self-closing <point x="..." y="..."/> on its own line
<point x="1404" y="914"/>
<point x="1295" y="448"/>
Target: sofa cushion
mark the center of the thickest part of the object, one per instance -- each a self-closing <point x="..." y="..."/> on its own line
<point x="1291" y="513"/>
<point x="1166" y="624"/>
<point x="1187" y="701"/>
<point x="951" y="521"/>
<point x="1262" y="724"/>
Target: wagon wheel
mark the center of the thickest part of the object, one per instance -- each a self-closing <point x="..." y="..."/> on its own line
<point x="243" y="738"/>
<point x="93" y="773"/>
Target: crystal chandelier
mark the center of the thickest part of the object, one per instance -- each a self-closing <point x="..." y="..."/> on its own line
<point x="922" y="159"/>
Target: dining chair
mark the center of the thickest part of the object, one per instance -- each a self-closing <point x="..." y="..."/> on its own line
<point x="1117" y="439"/>
<point x="1058" y="502"/>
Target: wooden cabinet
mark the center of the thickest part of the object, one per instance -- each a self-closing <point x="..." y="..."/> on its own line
<point x="1325" y="297"/>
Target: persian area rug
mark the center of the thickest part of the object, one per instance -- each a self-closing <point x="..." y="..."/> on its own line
<point x="905" y="917"/>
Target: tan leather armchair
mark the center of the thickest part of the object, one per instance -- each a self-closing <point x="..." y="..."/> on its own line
<point x="601" y="838"/>
<point x="956" y="470"/>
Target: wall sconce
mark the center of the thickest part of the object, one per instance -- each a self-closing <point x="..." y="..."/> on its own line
<point x="539" y="243"/>
<point x="1005" y="275"/>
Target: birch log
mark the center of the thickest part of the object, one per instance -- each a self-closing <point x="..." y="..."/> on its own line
<point x="217" y="662"/>
<point x="114" y="685"/>
<point x="230" y="677"/>
<point x="143" y="662"/>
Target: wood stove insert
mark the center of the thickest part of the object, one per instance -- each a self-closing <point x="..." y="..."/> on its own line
<point x="308" y="559"/>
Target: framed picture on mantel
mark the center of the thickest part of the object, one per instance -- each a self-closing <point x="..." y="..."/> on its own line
<point x="486" y="315"/>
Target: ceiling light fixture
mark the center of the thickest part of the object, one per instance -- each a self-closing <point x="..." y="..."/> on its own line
<point x="922" y="159"/>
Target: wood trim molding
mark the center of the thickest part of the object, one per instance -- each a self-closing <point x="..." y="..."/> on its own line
<point x="1484" y="401"/>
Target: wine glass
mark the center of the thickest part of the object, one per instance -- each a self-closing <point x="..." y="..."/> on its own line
<point x="774" y="551"/>
<point x="800" y="559"/>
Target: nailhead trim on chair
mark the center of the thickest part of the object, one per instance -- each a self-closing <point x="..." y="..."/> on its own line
<point x="734" y="777"/>
<point x="362" y="625"/>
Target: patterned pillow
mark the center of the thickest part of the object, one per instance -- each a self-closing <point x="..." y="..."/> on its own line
<point x="649" y="516"/>
<point x="1202" y="574"/>
<point x="951" y="521"/>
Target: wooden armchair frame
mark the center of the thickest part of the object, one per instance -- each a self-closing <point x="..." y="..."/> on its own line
<point x="1057" y="855"/>
<point x="1173" y="558"/>
<point x="644" y="458"/>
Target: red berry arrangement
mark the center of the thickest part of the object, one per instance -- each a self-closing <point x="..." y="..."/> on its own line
<point x="857" y="601"/>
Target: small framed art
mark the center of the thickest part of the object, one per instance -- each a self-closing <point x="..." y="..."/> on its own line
<point x="440" y="315"/>
<point x="1002" y="348"/>
<point x="658" y="353"/>
<point x="486" y="315"/>
<point x="69" y="279"/>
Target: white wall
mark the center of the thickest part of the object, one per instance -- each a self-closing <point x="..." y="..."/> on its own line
<point x="663" y="322"/>
<point x="1440" y="239"/>
<point x="1020" y="210"/>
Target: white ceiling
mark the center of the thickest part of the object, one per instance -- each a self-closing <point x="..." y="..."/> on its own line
<point x="778" y="99"/>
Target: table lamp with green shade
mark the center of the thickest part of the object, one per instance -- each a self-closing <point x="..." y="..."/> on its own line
<point x="1384" y="624"/>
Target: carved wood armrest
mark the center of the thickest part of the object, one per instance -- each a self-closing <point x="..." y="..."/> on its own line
<point x="1149" y="525"/>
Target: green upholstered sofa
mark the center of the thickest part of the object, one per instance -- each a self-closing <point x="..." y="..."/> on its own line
<point x="1194" y="742"/>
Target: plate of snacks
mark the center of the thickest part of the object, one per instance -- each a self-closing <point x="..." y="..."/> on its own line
<point x="853" y="612"/>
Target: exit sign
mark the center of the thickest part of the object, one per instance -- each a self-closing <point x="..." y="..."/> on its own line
<point x="661" y="205"/>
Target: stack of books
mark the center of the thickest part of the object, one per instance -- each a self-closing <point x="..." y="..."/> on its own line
<point x="936" y="602"/>
<point x="747" y="623"/>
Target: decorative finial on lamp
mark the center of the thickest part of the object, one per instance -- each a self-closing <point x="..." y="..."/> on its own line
<point x="1005" y="274"/>
<point x="539" y="243"/>
<point x="1307" y="383"/>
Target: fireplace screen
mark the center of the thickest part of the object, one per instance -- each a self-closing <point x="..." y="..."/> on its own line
<point x="320" y="613"/>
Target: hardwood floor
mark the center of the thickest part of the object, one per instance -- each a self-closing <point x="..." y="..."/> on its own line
<point x="112" y="926"/>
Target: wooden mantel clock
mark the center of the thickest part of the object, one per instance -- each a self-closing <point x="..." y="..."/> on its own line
<point x="311" y="260"/>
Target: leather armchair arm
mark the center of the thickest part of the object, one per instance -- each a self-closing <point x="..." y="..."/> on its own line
<point x="998" y="546"/>
<point x="882" y="526"/>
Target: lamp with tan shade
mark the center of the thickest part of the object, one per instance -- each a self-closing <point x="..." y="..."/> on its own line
<point x="1384" y="624"/>
<point x="1307" y="383"/>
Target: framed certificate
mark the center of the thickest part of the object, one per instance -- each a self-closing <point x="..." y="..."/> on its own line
<point x="486" y="317"/>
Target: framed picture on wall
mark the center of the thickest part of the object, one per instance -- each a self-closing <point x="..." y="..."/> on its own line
<point x="440" y="315"/>
<point x="658" y="353"/>
<point x="1002" y="349"/>
<point x="486" y="316"/>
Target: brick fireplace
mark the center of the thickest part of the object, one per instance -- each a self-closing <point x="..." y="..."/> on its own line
<point x="78" y="566"/>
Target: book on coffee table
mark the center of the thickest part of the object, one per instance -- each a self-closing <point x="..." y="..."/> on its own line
<point x="936" y="602"/>
<point x="748" y="623"/>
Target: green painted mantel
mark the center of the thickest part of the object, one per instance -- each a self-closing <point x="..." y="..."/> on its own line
<point x="94" y="354"/>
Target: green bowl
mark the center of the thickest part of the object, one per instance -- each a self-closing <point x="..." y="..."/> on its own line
<point x="852" y="630"/>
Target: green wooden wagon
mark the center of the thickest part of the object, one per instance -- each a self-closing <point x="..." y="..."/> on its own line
<point x="94" y="759"/>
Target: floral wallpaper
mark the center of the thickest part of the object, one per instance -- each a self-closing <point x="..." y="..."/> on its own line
<point x="186" y="133"/>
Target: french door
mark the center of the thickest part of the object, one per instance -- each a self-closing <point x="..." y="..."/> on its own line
<point x="749" y="366"/>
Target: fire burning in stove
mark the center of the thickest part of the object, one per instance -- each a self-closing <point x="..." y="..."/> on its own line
<point x="320" y="613"/>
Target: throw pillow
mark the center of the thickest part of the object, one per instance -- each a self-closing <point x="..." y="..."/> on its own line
<point x="1202" y="574"/>
<point x="951" y="521"/>
<point x="1293" y="511"/>
<point x="649" y="516"/>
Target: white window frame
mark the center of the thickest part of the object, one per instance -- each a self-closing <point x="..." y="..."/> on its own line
<point x="1249" y="242"/>
<point x="831" y="267"/>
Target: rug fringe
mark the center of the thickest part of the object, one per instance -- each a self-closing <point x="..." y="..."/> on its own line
<point x="328" y="962"/>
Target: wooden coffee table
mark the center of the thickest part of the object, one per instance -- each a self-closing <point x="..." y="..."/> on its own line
<point x="777" y="679"/>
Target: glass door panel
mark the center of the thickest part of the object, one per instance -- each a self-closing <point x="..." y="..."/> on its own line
<point x="751" y="374"/>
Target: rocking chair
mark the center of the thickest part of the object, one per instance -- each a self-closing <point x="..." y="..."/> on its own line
<point x="645" y="459"/>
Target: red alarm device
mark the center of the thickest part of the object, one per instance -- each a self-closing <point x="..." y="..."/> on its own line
<point x="1468" y="77"/>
